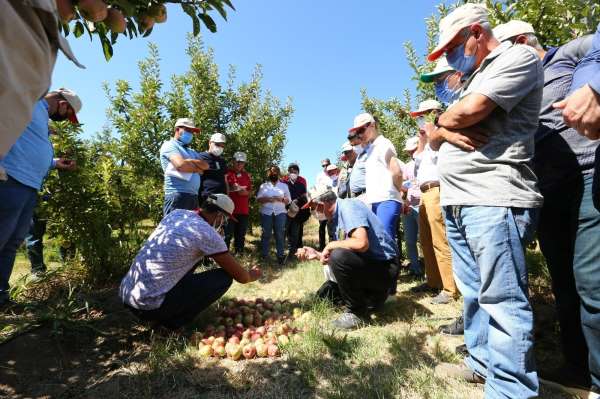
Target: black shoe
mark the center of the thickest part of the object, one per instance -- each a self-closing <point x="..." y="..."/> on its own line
<point x="348" y="321"/>
<point x="423" y="288"/>
<point x="461" y="350"/>
<point x="281" y="261"/>
<point x="457" y="327"/>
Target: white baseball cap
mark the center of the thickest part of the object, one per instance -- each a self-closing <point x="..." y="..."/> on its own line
<point x="347" y="147"/>
<point x="316" y="193"/>
<point x="218" y="138"/>
<point x="361" y="120"/>
<point x="462" y="17"/>
<point x="511" y="29"/>
<point x="240" y="156"/>
<point x="441" y="67"/>
<point x="331" y="167"/>
<point x="188" y="124"/>
<point x="426" y="106"/>
<point x="411" y="144"/>
<point x="223" y="202"/>
<point x="74" y="101"/>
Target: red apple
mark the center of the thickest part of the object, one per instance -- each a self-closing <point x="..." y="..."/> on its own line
<point x="244" y="342"/>
<point x="273" y="350"/>
<point x="115" y="20"/>
<point x="219" y="351"/>
<point x="66" y="10"/>
<point x="93" y="10"/>
<point x="234" y="340"/>
<point x="206" y="351"/>
<point x="254" y="337"/>
<point x="249" y="351"/>
<point x="145" y="22"/>
<point x="261" y="330"/>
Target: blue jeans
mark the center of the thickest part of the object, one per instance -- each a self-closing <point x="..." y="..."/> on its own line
<point x="17" y="203"/>
<point x="34" y="243"/>
<point x="270" y="224"/>
<point x="410" y="221"/>
<point x="388" y="213"/>
<point x="180" y="201"/>
<point x="488" y="256"/>
<point x="569" y="234"/>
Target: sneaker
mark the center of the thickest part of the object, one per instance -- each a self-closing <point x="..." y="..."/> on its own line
<point x="573" y="381"/>
<point x="442" y="298"/>
<point x="457" y="327"/>
<point x="459" y="372"/>
<point x="423" y="288"/>
<point x="461" y="350"/>
<point x="347" y="321"/>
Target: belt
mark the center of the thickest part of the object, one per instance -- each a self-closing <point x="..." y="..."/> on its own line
<point x="357" y="193"/>
<point x="429" y="185"/>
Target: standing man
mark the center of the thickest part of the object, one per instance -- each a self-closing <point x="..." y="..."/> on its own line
<point x="432" y="229"/>
<point x="296" y="216"/>
<point x="213" y="180"/>
<point x="323" y="179"/>
<point x="410" y="214"/>
<point x="362" y="260"/>
<point x="349" y="158"/>
<point x="357" y="185"/>
<point x="27" y="164"/>
<point x="240" y="187"/>
<point x="490" y="198"/>
<point x="182" y="167"/>
<point x="569" y="227"/>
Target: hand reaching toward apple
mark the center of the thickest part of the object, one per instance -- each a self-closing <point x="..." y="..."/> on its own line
<point x="325" y="255"/>
<point x="307" y="253"/>
<point x="254" y="273"/>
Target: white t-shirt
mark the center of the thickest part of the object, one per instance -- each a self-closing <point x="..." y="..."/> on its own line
<point x="269" y="189"/>
<point x="323" y="179"/>
<point x="378" y="178"/>
<point x="427" y="169"/>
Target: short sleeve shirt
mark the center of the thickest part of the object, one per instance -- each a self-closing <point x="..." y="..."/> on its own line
<point x="30" y="158"/>
<point x="213" y="179"/>
<point x="351" y="214"/>
<point x="174" y="184"/>
<point x="499" y="173"/>
<point x="180" y="241"/>
<point x="378" y="178"/>
<point x="268" y="189"/>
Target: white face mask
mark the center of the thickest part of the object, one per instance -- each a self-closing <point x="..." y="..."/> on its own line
<point x="358" y="149"/>
<point x="219" y="223"/>
<point x="215" y="150"/>
<point x="293" y="176"/>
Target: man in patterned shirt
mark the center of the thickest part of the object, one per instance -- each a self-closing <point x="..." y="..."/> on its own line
<point x="161" y="285"/>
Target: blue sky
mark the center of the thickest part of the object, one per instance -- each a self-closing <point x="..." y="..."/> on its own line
<point x="319" y="53"/>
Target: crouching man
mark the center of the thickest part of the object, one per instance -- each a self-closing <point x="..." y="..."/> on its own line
<point x="361" y="262"/>
<point x="161" y="285"/>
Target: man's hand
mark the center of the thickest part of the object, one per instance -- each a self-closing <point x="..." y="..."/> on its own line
<point x="65" y="164"/>
<point x="325" y="255"/>
<point x="307" y="253"/>
<point x="254" y="273"/>
<point x="465" y="139"/>
<point x="200" y="164"/>
<point x="581" y="111"/>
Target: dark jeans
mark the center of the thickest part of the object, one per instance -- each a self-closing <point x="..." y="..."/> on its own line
<point x="323" y="224"/>
<point x="363" y="283"/>
<point x="180" y="201"/>
<point x="34" y="243"/>
<point x="17" y="203"/>
<point x="294" y="228"/>
<point x="237" y="231"/>
<point x="190" y="296"/>
<point x="569" y="234"/>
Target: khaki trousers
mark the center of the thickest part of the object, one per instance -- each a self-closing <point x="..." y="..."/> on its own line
<point x="432" y="234"/>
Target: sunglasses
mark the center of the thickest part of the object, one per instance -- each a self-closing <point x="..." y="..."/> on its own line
<point x="324" y="165"/>
<point x="359" y="132"/>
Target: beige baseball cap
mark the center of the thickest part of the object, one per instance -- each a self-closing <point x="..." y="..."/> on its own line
<point x="218" y="138"/>
<point x="240" y="156"/>
<point x="511" y="29"/>
<point x="441" y="67"/>
<point x="360" y="120"/>
<point x="411" y="144"/>
<point x="74" y="101"/>
<point x="188" y="124"/>
<point x="462" y="17"/>
<point x="426" y="106"/>
<point x="347" y="147"/>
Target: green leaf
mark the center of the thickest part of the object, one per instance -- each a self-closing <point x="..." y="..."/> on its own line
<point x="78" y="30"/>
<point x="229" y="4"/>
<point x="147" y="33"/>
<point x="208" y="22"/>
<point x="189" y="10"/>
<point x="219" y="7"/>
<point x="106" y="48"/>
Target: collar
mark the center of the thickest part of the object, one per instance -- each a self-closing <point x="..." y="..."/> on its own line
<point x="549" y="55"/>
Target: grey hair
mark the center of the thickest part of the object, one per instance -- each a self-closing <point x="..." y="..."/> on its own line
<point x="532" y="41"/>
<point x="327" y="196"/>
<point x="485" y="26"/>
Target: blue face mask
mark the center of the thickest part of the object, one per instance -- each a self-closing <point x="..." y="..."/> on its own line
<point x="461" y="62"/>
<point x="186" y="137"/>
<point x="444" y="93"/>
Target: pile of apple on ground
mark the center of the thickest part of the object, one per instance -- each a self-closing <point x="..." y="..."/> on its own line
<point x="246" y="329"/>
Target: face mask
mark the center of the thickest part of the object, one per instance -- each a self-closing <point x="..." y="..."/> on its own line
<point x="186" y="137"/>
<point x="293" y="176"/>
<point x="334" y="177"/>
<point x="273" y="178"/>
<point x="421" y="122"/>
<point x="444" y="93"/>
<point x="358" y="149"/>
<point x="461" y="62"/>
<point x="219" y="222"/>
<point x="216" y="150"/>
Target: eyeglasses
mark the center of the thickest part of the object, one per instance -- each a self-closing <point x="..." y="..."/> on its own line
<point x="348" y="152"/>
<point x="324" y="165"/>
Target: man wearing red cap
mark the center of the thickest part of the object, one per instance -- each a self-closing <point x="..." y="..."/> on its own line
<point x="490" y="198"/>
<point x="27" y="164"/>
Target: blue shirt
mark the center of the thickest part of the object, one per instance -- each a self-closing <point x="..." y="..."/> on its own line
<point x="174" y="184"/>
<point x="350" y="214"/>
<point x="588" y="70"/>
<point x="30" y="158"/>
<point x="357" y="177"/>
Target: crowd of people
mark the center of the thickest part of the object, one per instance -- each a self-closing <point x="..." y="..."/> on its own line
<point x="507" y="151"/>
